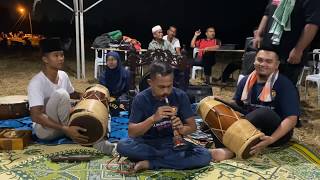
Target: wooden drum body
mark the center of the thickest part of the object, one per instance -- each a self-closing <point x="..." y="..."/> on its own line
<point x="92" y="115"/>
<point x="239" y="135"/>
<point x="98" y="92"/>
<point x="12" y="107"/>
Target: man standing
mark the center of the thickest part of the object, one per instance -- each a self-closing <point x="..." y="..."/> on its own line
<point x="206" y="47"/>
<point x="158" y="42"/>
<point x="289" y="26"/>
<point x="171" y="38"/>
<point x="151" y="126"/>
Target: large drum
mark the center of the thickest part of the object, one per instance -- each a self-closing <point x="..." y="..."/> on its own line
<point x="237" y="134"/>
<point x="98" y="92"/>
<point x="12" y="107"/>
<point x="92" y="115"/>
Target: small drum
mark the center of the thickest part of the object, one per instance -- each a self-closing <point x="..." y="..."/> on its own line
<point x="92" y="115"/>
<point x="12" y="107"/>
<point x="98" y="92"/>
<point x="239" y="135"/>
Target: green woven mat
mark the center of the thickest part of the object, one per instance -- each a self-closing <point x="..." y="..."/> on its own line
<point x="291" y="162"/>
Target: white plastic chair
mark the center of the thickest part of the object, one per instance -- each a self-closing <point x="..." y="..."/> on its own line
<point x="305" y="71"/>
<point x="195" y="68"/>
<point x="98" y="62"/>
<point x="315" y="77"/>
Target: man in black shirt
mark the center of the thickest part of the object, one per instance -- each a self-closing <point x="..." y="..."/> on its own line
<point x="303" y="21"/>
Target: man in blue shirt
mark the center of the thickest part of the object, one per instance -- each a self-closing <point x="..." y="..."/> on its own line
<point x="290" y="27"/>
<point x="269" y="101"/>
<point x="151" y="126"/>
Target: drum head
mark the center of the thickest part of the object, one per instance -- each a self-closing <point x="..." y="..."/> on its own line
<point x="12" y="107"/>
<point x="240" y="137"/>
<point x="13" y="99"/>
<point x="93" y="126"/>
<point x="246" y="153"/>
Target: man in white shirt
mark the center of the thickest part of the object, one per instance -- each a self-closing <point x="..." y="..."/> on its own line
<point x="49" y="94"/>
<point x="171" y="38"/>
<point x="158" y="42"/>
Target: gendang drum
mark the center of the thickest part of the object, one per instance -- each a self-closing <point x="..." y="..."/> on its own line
<point x="12" y="107"/>
<point x="91" y="115"/>
<point x="237" y="134"/>
<point x="98" y="92"/>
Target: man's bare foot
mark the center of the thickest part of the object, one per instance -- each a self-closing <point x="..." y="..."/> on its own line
<point x="141" y="165"/>
<point x="220" y="154"/>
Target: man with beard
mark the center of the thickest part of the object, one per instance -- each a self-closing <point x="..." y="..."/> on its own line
<point x="289" y="26"/>
<point x="158" y="42"/>
<point x="269" y="101"/>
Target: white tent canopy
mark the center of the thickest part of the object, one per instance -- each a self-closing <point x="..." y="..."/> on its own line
<point x="79" y="26"/>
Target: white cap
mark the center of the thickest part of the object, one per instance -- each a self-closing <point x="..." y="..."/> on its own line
<point x="156" y="28"/>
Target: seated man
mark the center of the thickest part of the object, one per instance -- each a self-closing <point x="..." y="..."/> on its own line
<point x="207" y="46"/>
<point x="171" y="38"/>
<point x="150" y="126"/>
<point x="158" y="42"/>
<point x="49" y="95"/>
<point x="269" y="101"/>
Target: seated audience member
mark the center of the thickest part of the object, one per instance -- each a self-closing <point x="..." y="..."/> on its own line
<point x="115" y="77"/>
<point x="158" y="42"/>
<point x="171" y="38"/>
<point x="206" y="47"/>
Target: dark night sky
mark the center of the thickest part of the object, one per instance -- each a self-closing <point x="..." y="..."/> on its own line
<point x="233" y="19"/>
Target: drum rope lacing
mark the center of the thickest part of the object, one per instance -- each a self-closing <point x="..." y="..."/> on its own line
<point x="255" y="132"/>
<point x="86" y="96"/>
<point x="222" y="114"/>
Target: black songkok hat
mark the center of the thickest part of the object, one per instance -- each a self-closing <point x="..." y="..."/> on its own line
<point x="50" y="44"/>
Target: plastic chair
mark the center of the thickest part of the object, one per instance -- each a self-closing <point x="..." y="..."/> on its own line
<point x="315" y="77"/>
<point x="98" y="62"/>
<point x="195" y="68"/>
<point x="306" y="69"/>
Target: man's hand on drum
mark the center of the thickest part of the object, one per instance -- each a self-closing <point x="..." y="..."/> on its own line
<point x="177" y="124"/>
<point x="265" y="142"/>
<point x="163" y="112"/>
<point x="74" y="132"/>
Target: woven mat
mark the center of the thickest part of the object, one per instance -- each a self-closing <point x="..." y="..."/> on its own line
<point x="294" y="161"/>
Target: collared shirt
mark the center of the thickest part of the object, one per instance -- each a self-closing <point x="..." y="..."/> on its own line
<point x="175" y="41"/>
<point x="164" y="45"/>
